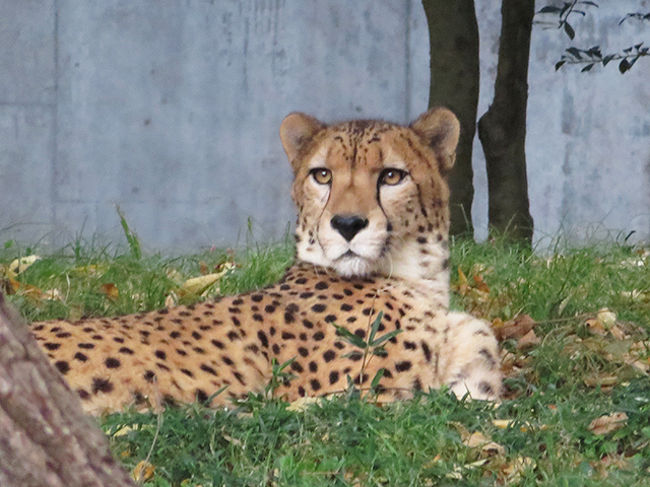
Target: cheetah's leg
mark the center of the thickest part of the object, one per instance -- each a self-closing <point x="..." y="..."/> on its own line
<point x="470" y="358"/>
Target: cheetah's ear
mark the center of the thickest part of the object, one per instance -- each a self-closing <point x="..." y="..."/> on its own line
<point x="441" y="129"/>
<point x="295" y="131"/>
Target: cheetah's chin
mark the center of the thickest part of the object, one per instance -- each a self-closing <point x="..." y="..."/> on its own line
<point x="353" y="265"/>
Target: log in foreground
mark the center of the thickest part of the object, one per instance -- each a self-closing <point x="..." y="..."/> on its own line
<point x="46" y="438"/>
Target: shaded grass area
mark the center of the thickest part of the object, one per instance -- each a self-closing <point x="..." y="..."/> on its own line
<point x="542" y="432"/>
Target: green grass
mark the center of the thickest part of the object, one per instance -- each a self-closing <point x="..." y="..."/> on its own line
<point x="554" y="389"/>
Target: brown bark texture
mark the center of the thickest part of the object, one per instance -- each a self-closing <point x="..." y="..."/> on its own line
<point x="502" y="129"/>
<point x="454" y="66"/>
<point x="45" y="437"/>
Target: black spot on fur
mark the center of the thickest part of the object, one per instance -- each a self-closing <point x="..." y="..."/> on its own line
<point x="208" y="369"/>
<point x="334" y="377"/>
<point x="355" y="356"/>
<point x="101" y="385"/>
<point x="427" y="351"/>
<point x="80" y="357"/>
<point x="201" y="396"/>
<point x="112" y="363"/>
<point x="63" y="366"/>
<point x="488" y="356"/>
<point x="403" y="366"/>
<point x="329" y="355"/>
<point x="486" y="388"/>
<point x="262" y="336"/>
<point x="52" y="346"/>
<point x="160" y="354"/>
<point x="150" y="376"/>
<point x="318" y="308"/>
<point x="87" y="346"/>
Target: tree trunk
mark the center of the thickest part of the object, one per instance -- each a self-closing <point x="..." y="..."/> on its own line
<point x="453" y="41"/>
<point x="45" y="438"/>
<point x="502" y="129"/>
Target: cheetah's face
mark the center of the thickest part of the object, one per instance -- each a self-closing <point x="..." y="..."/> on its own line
<point x="371" y="196"/>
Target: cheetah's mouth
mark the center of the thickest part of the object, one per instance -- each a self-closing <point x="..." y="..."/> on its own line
<point x="352" y="264"/>
<point x="349" y="254"/>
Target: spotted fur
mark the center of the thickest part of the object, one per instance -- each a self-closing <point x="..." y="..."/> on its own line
<point x="371" y="237"/>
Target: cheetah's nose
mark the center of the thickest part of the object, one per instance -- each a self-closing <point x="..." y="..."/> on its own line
<point x="348" y="225"/>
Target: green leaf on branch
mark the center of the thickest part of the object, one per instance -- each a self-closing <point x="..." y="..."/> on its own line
<point x="624" y="66"/>
<point x="569" y="30"/>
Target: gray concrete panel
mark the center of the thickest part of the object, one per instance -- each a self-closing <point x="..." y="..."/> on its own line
<point x="179" y="107"/>
<point x="27" y="56"/>
<point x="27" y="135"/>
<point x="171" y="109"/>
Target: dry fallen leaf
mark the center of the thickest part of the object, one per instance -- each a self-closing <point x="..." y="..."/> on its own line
<point x="529" y="340"/>
<point x="602" y="380"/>
<point x="199" y="285"/>
<point x="510" y="473"/>
<point x="171" y="300"/>
<point x="22" y="289"/>
<point x="613" y="462"/>
<point x="595" y="327"/>
<point x="606" y="317"/>
<point x="480" y="284"/>
<point x="463" y="286"/>
<point x="21" y="265"/>
<point x="488" y="447"/>
<point x="515" y="328"/>
<point x="143" y="471"/>
<point x="110" y="291"/>
<point x="502" y="423"/>
<point x="608" y="423"/>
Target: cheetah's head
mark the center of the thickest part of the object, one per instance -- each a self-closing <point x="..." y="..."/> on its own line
<point x="372" y="196"/>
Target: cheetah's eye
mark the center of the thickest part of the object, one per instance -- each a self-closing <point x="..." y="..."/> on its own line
<point x="321" y="175"/>
<point x="392" y="176"/>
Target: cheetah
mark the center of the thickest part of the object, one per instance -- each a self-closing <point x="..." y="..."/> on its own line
<point x="371" y="237"/>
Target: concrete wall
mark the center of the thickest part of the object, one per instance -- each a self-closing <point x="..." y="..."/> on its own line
<point x="170" y="108"/>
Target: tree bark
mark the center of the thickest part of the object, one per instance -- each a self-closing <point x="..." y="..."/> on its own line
<point x="502" y="129"/>
<point x="454" y="66"/>
<point x="45" y="437"/>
